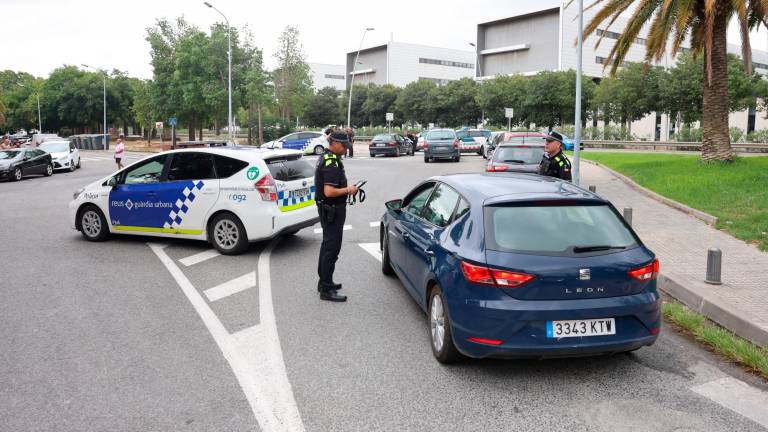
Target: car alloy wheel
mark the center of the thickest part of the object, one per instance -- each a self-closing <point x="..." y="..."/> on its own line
<point x="319" y="150"/>
<point x="90" y="222"/>
<point x="440" y="332"/>
<point x="397" y="152"/>
<point x="386" y="264"/>
<point x="17" y="174"/>
<point x="226" y="234"/>
<point x="437" y="322"/>
<point x="71" y="165"/>
<point x="49" y="170"/>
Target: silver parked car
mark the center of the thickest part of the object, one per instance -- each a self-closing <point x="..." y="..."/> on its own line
<point x="441" y="144"/>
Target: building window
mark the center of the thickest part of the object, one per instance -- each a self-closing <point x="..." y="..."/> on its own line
<point x="599" y="60"/>
<point x="438" y="81"/>
<point x="614" y="35"/>
<point x="446" y="63"/>
<point x="331" y="76"/>
<point x="760" y="65"/>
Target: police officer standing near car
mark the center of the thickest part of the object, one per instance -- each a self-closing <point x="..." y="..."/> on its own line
<point x="553" y="162"/>
<point x="331" y="192"/>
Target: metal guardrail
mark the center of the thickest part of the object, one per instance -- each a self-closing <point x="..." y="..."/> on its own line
<point x="671" y="145"/>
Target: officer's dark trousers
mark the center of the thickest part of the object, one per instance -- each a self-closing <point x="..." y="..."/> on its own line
<point x="350" y="150"/>
<point x="331" y="246"/>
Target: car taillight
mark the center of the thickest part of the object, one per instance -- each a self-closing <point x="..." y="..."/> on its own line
<point x="392" y="143"/>
<point x="496" y="168"/>
<point x="455" y="144"/>
<point x="499" y="278"/>
<point x="266" y="188"/>
<point x="425" y="145"/>
<point x="647" y="272"/>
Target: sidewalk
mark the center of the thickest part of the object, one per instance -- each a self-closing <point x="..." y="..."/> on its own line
<point x="681" y="242"/>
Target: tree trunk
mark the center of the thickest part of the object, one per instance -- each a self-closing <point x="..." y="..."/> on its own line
<point x="191" y="130"/>
<point x="201" y="131"/>
<point x="261" y="127"/>
<point x="250" y="123"/>
<point x="716" y="142"/>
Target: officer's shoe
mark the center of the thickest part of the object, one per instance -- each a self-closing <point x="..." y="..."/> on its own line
<point x="332" y="295"/>
<point x="334" y="285"/>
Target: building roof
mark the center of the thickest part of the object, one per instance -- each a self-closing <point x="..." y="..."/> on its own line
<point x="525" y="15"/>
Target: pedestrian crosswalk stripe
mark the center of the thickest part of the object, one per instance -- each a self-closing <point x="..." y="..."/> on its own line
<point x="232" y="287"/>
<point x="199" y="257"/>
<point x="371" y="248"/>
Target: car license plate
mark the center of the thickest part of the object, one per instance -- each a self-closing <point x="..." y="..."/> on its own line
<point x="580" y="328"/>
<point x="380" y="145"/>
<point x="300" y="193"/>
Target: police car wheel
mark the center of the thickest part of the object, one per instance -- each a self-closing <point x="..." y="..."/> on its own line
<point x="440" y="329"/>
<point x="386" y="265"/>
<point x="227" y="234"/>
<point x="93" y="225"/>
<point x="319" y="150"/>
<point x="49" y="170"/>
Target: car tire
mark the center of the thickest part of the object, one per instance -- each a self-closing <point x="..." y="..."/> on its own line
<point x="440" y="335"/>
<point x="72" y="166"/>
<point x="78" y="163"/>
<point x="49" y="170"/>
<point x="426" y="159"/>
<point x="412" y="151"/>
<point x="18" y="174"/>
<point x="291" y="232"/>
<point x="93" y="224"/>
<point x="373" y="155"/>
<point x="227" y="234"/>
<point x="484" y="152"/>
<point x="457" y="159"/>
<point x="319" y="150"/>
<point x="386" y="264"/>
<point x="397" y="151"/>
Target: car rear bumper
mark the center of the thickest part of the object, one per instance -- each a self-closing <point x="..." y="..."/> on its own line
<point x="280" y="222"/>
<point x="441" y="155"/>
<point x="521" y="326"/>
<point x="382" y="150"/>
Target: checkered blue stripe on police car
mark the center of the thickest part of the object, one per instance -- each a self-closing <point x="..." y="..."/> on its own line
<point x="185" y="198"/>
<point x="285" y="198"/>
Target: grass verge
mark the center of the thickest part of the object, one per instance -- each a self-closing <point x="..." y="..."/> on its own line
<point x="719" y="340"/>
<point x="736" y="193"/>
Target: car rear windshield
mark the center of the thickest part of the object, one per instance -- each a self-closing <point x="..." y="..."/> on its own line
<point x="545" y="229"/>
<point x="9" y="154"/>
<point x="289" y="168"/>
<point x="441" y="135"/>
<point x="55" y="147"/>
<point x="520" y="155"/>
<point x="383" y="137"/>
<point x="479" y="133"/>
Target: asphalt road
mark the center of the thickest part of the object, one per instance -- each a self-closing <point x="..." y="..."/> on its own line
<point x="113" y="336"/>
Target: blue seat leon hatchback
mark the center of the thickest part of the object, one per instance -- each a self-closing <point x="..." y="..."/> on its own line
<point x="521" y="266"/>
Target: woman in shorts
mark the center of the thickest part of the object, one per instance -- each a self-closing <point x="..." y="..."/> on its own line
<point x="119" y="152"/>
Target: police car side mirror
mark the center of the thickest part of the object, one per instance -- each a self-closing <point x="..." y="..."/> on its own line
<point x="394" y="205"/>
<point x="112" y="182"/>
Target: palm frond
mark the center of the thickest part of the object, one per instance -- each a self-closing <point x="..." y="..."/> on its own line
<point x="615" y="8"/>
<point x="644" y="11"/>
<point x="658" y="34"/>
<point x="740" y="6"/>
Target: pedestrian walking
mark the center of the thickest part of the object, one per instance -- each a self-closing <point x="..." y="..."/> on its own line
<point x="351" y="140"/>
<point x="331" y="199"/>
<point x="412" y="137"/>
<point x="119" y="152"/>
<point x="553" y="162"/>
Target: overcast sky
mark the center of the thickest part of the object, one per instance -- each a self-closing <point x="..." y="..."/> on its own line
<point x="41" y="35"/>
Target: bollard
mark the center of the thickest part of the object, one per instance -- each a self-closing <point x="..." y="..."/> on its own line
<point x="628" y="215"/>
<point x="592" y="188"/>
<point x="714" y="266"/>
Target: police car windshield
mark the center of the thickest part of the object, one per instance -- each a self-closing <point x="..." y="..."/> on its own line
<point x="555" y="229"/>
<point x="9" y="154"/>
<point x="526" y="155"/>
<point x="479" y="133"/>
<point x="289" y="169"/>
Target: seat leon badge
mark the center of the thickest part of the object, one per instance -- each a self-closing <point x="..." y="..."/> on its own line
<point x="585" y="274"/>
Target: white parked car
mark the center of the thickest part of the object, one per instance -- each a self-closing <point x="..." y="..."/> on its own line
<point x="296" y="141"/>
<point x="64" y="154"/>
<point x="228" y="196"/>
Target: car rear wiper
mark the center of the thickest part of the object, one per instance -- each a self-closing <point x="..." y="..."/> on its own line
<point x="580" y="249"/>
<point x="515" y="161"/>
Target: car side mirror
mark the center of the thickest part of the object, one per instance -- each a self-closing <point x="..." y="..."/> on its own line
<point x="71" y="150"/>
<point x="394" y="205"/>
<point x="112" y="182"/>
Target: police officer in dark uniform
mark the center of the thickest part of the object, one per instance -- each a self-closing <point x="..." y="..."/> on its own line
<point x="331" y="192"/>
<point x="554" y="163"/>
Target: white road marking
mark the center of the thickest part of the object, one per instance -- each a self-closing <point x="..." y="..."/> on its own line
<point x="346" y="228"/>
<point x="737" y="396"/>
<point x="199" y="257"/>
<point x="371" y="248"/>
<point x="374" y="224"/>
<point x="231" y="287"/>
<point x="254" y="354"/>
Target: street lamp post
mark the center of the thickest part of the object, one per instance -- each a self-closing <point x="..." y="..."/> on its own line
<point x="577" y="128"/>
<point x="352" y="80"/>
<point x="479" y="68"/>
<point x="104" y="75"/>
<point x="39" y="118"/>
<point x="229" y="65"/>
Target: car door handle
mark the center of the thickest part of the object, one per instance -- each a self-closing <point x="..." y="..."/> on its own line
<point x="428" y="252"/>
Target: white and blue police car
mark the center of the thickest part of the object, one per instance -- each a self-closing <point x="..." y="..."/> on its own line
<point x="228" y="196"/>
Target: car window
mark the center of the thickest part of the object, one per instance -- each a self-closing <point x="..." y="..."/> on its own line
<point x="290" y="168"/>
<point x="520" y="155"/>
<point x="227" y="167"/>
<point x="290" y="137"/>
<point x="54" y="147"/>
<point x="416" y="202"/>
<point x="441" y="135"/>
<point x="35" y="153"/>
<point x="382" y="137"/>
<point x="148" y="172"/>
<point x="191" y="166"/>
<point x="440" y="207"/>
<point x="306" y="135"/>
<point x="540" y="228"/>
<point x="10" y="154"/>
<point x="462" y="208"/>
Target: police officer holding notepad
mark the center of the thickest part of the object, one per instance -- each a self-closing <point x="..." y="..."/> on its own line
<point x="331" y="196"/>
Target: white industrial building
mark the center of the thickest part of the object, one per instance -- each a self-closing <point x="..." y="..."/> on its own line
<point x="545" y="39"/>
<point x="399" y="64"/>
<point x="327" y="75"/>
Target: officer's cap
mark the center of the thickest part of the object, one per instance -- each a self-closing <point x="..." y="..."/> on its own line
<point x="339" y="137"/>
<point x="554" y="136"/>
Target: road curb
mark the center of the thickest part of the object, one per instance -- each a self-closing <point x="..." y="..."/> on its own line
<point x="698" y="214"/>
<point x="714" y="307"/>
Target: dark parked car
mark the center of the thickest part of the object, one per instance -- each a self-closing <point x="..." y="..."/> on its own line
<point x="390" y="145"/>
<point x="441" y="144"/>
<point x="17" y="163"/>
<point x="515" y="157"/>
<point x="521" y="266"/>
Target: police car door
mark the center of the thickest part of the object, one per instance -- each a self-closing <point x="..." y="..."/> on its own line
<point x="189" y="193"/>
<point x="131" y="201"/>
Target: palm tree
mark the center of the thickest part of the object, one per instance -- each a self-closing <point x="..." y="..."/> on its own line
<point x="706" y="22"/>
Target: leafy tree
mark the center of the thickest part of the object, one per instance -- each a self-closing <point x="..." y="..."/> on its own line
<point x="705" y="24"/>
<point x="293" y="83"/>
<point x="379" y="101"/>
<point x="457" y="104"/>
<point x="504" y="92"/>
<point x="359" y="116"/>
<point x="322" y="108"/>
<point x="417" y="102"/>
<point x="142" y="107"/>
<point x="630" y="95"/>
<point x="549" y="100"/>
